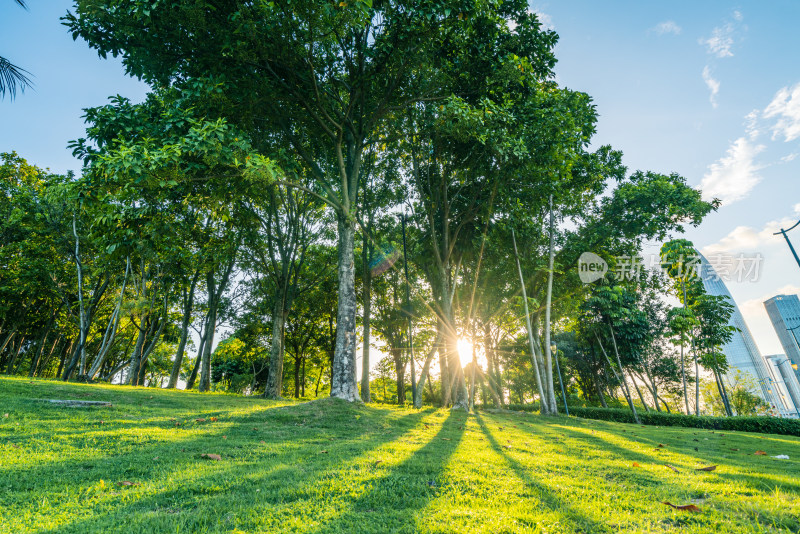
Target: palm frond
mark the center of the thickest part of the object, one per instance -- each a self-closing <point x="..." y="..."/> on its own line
<point x="12" y="78"/>
<point x="21" y="3"/>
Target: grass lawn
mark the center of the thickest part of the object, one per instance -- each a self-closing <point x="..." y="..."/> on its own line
<point x="330" y="467"/>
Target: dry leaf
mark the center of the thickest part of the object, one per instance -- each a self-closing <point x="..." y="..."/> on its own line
<point x="684" y="507"/>
<point x="760" y="453"/>
<point x="636" y="464"/>
<point x="224" y="437"/>
<point x="660" y="445"/>
<point x="14" y="445"/>
<point x="201" y="420"/>
<point x="213" y="419"/>
<point x="323" y="452"/>
<point x="734" y="449"/>
<point x="5" y="415"/>
<point x="375" y="464"/>
<point x="216" y="457"/>
<point x="709" y="468"/>
<point x="670" y="467"/>
<point x="262" y="441"/>
<point x="127" y="483"/>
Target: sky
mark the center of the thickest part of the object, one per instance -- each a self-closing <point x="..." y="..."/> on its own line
<point x="709" y="90"/>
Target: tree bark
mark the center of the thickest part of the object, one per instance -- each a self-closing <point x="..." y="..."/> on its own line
<point x="543" y="400"/>
<point x="366" y="297"/>
<point x="343" y="376"/>
<point x="548" y="356"/>
<point x="274" y="386"/>
<point x="187" y="319"/>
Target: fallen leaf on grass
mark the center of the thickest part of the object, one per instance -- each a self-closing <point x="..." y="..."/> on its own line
<point x="216" y="457"/>
<point x="127" y="483"/>
<point x="734" y="449"/>
<point x="201" y="420"/>
<point x="14" y="445"/>
<point x="5" y="415"/>
<point x="636" y="464"/>
<point x="684" y="507"/>
<point x="760" y="453"/>
<point x="323" y="452"/>
<point x="670" y="467"/>
<point x="375" y="463"/>
<point x="709" y="468"/>
<point x="213" y="419"/>
<point x="660" y="446"/>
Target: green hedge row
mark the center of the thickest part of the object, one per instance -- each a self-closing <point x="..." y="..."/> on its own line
<point x="762" y="425"/>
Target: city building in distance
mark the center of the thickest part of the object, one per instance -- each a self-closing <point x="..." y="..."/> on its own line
<point x="741" y="351"/>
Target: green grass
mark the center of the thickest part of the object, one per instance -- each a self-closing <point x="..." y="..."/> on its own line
<point x="330" y="467"/>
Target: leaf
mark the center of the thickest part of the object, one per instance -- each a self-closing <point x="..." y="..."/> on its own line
<point x="660" y="446"/>
<point x="127" y="483"/>
<point x="213" y="419"/>
<point x="323" y="452"/>
<point x="683" y="507"/>
<point x="709" y="468"/>
<point x="760" y="453"/>
<point x="670" y="467"/>
<point x="636" y="464"/>
<point x="200" y="420"/>
<point x="5" y="415"/>
<point x="211" y="456"/>
<point x="14" y="445"/>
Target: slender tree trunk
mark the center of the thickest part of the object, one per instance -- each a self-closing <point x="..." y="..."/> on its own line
<point x="303" y="380"/>
<point x="696" y="384"/>
<point x="543" y="399"/>
<point x="400" y="372"/>
<point x="65" y="352"/>
<point x="343" y="376"/>
<point x="638" y="391"/>
<point x="621" y="379"/>
<point x="424" y="373"/>
<point x="211" y="326"/>
<point x="548" y="356"/>
<point x="472" y="374"/>
<point x="319" y="380"/>
<point x="196" y="368"/>
<point x="187" y="320"/>
<point x="274" y="386"/>
<point x="40" y="347"/>
<point x="366" y="297"/>
<point x="296" y="377"/>
<point x="444" y="369"/>
<point x="600" y="392"/>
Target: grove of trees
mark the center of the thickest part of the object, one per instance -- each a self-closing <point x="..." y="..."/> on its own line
<point x="310" y="177"/>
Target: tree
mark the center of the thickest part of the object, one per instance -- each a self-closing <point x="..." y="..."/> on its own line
<point x="13" y="77"/>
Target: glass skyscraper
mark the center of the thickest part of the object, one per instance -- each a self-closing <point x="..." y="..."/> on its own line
<point x="742" y="353"/>
<point x="784" y="312"/>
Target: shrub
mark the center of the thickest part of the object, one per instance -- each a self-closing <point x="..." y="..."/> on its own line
<point x="762" y="424"/>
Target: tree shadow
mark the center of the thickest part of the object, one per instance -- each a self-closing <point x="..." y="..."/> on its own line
<point x="267" y="478"/>
<point x="577" y="520"/>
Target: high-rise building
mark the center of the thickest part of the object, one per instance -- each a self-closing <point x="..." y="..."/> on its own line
<point x="784" y="312"/>
<point x="741" y="351"/>
<point x="785" y="382"/>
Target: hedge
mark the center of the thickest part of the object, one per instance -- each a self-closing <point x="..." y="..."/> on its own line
<point x="762" y="425"/>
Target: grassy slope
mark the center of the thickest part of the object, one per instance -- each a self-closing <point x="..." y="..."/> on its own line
<point x="330" y="467"/>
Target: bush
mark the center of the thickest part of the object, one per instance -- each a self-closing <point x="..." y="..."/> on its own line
<point x="762" y="424"/>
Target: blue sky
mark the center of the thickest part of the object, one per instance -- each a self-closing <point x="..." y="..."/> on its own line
<point x="710" y="90"/>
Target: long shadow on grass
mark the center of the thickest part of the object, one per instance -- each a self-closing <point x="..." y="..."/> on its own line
<point x="194" y="502"/>
<point x="687" y="462"/>
<point x="401" y="490"/>
<point x="569" y="513"/>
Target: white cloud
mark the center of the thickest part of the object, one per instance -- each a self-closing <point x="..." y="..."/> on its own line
<point x="712" y="84"/>
<point x="720" y="42"/>
<point x="545" y="19"/>
<point x="785" y="106"/>
<point x="668" y="26"/>
<point x="738" y="15"/>
<point x="733" y="176"/>
<point x="748" y="239"/>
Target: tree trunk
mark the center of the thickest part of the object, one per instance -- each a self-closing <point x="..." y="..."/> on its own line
<point x="424" y="373"/>
<point x="187" y="320"/>
<point x="274" y="386"/>
<point x="543" y="400"/>
<point x="211" y="326"/>
<point x="621" y="379"/>
<point x="548" y="356"/>
<point x="296" y="377"/>
<point x="343" y="376"/>
<point x="400" y="372"/>
<point x="366" y="297"/>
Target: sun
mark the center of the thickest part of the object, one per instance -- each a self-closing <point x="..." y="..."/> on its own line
<point x="464" y="352"/>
